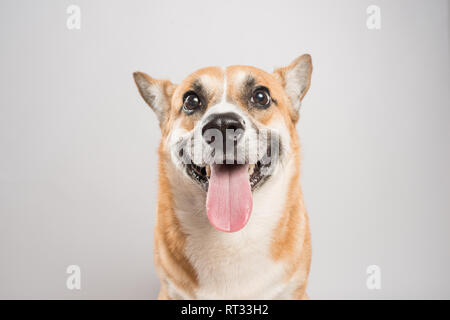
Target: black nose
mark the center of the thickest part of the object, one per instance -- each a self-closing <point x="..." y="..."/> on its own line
<point x="230" y="125"/>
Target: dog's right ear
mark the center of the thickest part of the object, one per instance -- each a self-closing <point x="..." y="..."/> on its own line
<point x="157" y="94"/>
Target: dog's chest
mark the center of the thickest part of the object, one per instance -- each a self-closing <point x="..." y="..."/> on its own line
<point x="237" y="265"/>
<point x="238" y="268"/>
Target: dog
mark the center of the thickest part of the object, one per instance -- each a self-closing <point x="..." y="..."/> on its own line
<point x="231" y="219"/>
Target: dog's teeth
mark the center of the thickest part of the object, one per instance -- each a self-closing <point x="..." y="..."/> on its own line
<point x="251" y="168"/>
<point x="208" y="170"/>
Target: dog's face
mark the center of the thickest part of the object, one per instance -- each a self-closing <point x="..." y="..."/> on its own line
<point x="227" y="130"/>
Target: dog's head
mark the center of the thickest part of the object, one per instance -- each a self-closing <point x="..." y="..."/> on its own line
<point x="227" y="130"/>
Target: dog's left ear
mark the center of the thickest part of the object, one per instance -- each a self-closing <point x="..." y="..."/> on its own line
<point x="296" y="79"/>
<point x="157" y="94"/>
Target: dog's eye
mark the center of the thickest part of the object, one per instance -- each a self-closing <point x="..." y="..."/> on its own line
<point x="191" y="102"/>
<point x="261" y="98"/>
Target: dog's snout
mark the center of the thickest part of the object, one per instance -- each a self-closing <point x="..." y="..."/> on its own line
<point x="230" y="125"/>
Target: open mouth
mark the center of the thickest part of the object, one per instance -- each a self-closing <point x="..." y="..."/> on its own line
<point x="229" y="190"/>
<point x="202" y="174"/>
<point x="230" y="187"/>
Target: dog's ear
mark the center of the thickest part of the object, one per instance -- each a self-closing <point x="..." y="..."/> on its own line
<point x="157" y="94"/>
<point x="296" y="79"/>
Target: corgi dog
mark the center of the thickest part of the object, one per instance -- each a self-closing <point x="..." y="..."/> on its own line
<point x="231" y="220"/>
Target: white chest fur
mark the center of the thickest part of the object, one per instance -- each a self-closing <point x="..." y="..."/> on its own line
<point x="235" y="265"/>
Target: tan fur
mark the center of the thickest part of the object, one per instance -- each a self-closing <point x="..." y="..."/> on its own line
<point x="291" y="241"/>
<point x="169" y="239"/>
<point x="294" y="225"/>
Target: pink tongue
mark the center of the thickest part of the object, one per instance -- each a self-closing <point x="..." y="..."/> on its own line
<point x="229" y="200"/>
